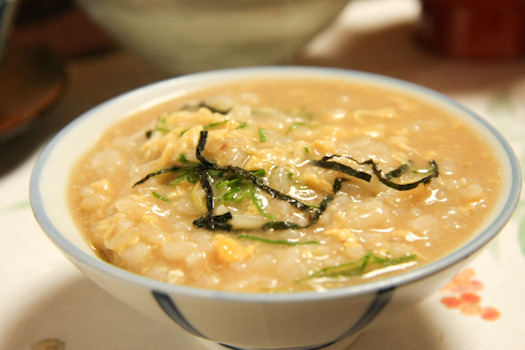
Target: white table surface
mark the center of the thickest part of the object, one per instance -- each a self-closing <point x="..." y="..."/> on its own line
<point x="43" y="297"/>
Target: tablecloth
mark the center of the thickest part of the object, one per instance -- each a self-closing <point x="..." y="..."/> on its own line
<point x="46" y="302"/>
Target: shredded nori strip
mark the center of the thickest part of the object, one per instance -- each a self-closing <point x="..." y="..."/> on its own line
<point x="336" y="187"/>
<point x="315" y="214"/>
<point x="404" y="186"/>
<point x="259" y="183"/>
<point x="169" y="169"/>
<point x="215" y="109"/>
<point x="281" y="225"/>
<point x="200" y="149"/>
<point x="327" y="163"/>
<point x="206" y="169"/>
<point x="206" y="181"/>
<point x="215" y="222"/>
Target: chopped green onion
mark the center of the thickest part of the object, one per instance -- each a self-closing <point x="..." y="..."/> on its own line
<point x="161" y="197"/>
<point x="215" y="173"/>
<point x="260" y="208"/>
<point x="185" y="174"/>
<point x="358" y="267"/>
<point x="295" y="126"/>
<point x="298" y="124"/>
<point x="276" y="241"/>
<point x="212" y="125"/>
<point x="236" y="188"/>
<point x="241" y="184"/>
<point x="161" y="124"/>
<point x="259" y="172"/>
<point x="262" y="134"/>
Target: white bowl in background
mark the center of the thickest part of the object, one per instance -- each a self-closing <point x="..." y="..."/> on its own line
<point x="186" y="36"/>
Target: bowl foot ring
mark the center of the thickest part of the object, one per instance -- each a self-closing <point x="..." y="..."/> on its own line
<point x="380" y="301"/>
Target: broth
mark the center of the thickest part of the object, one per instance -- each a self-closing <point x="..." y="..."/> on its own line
<point x="283" y="185"/>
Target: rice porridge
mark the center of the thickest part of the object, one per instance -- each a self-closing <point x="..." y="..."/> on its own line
<point x="283" y="185"/>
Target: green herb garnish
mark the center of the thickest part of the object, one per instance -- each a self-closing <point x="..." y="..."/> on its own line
<point x="301" y="124"/>
<point x="161" y="197"/>
<point x="236" y="188"/>
<point x="260" y="208"/>
<point x="204" y="172"/>
<point x="212" y="125"/>
<point x="262" y="134"/>
<point x="277" y="241"/>
<point x="358" y="267"/>
<point x="241" y="184"/>
<point x="187" y="174"/>
<point x="162" y="124"/>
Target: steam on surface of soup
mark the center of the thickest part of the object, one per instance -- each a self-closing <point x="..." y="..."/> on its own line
<point x="283" y="185"/>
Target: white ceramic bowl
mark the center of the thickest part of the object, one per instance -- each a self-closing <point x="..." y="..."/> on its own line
<point x="302" y="320"/>
<point x="186" y="36"/>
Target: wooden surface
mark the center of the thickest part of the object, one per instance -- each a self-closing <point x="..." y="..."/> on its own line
<point x="32" y="79"/>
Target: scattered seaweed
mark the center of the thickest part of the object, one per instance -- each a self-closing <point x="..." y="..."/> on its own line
<point x="237" y="178"/>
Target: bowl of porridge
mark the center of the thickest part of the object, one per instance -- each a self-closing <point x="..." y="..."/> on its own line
<point x="275" y="207"/>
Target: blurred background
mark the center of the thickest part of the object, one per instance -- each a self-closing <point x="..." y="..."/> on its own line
<point x="63" y="58"/>
<point x="165" y="38"/>
<point x="59" y="25"/>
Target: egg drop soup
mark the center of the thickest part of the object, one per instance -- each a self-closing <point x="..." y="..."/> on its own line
<point x="284" y="185"/>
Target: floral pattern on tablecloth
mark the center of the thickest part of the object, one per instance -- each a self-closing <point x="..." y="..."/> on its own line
<point x="464" y="293"/>
<point x="503" y="109"/>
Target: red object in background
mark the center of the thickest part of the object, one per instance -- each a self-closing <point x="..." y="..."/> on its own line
<point x="474" y="29"/>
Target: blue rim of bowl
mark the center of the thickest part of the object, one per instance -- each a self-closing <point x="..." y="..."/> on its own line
<point x="235" y="74"/>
